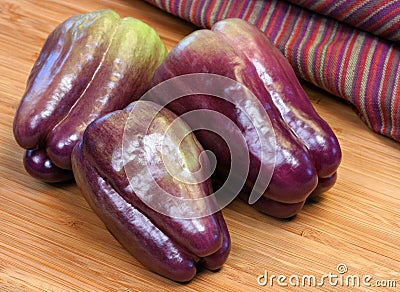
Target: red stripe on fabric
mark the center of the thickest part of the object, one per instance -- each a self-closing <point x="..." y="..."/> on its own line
<point x="265" y="8"/>
<point x="327" y="65"/>
<point x="366" y="12"/>
<point x="390" y="32"/>
<point x="193" y="12"/>
<point x="391" y="15"/>
<point x="362" y="58"/>
<point x="309" y="44"/>
<point x="283" y="26"/>
<point x="296" y="35"/>
<point x="231" y="9"/>
<point x="351" y="7"/>
<point x="200" y="13"/>
<point x="373" y="87"/>
<point x="221" y="9"/>
<point x="385" y="84"/>
<point x="390" y="61"/>
<point x="322" y="5"/>
<point x="320" y="76"/>
<point x="171" y="6"/>
<point x="209" y="9"/>
<point x="340" y="56"/>
<point x="249" y="11"/>
<point x="346" y="66"/>
<point x="355" y="8"/>
<point x="270" y="27"/>
<point x="182" y="8"/>
<point x="239" y="11"/>
<point x="395" y="114"/>
<point x="335" y="54"/>
<point x="164" y="6"/>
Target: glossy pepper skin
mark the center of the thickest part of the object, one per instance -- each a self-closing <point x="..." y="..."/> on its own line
<point x="307" y="152"/>
<point x="169" y="246"/>
<point x="91" y="64"/>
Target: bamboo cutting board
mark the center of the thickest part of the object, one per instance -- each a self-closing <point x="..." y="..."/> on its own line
<point x="52" y="241"/>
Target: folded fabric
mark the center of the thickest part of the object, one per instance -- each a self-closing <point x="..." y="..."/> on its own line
<point x="379" y="17"/>
<point x="350" y="48"/>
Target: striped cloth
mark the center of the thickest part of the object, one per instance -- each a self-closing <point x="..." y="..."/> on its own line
<point x="350" y="48"/>
<point x="381" y="18"/>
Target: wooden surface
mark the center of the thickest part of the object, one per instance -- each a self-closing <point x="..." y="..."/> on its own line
<point x="50" y="240"/>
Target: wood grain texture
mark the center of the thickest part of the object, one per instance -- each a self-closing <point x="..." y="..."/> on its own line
<point x="50" y="240"/>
